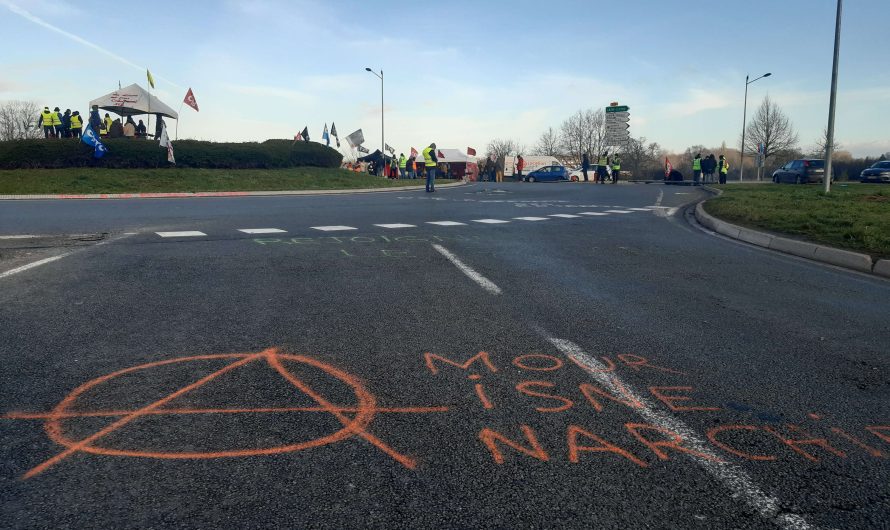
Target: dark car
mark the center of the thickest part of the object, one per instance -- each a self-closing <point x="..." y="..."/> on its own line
<point x="800" y="171"/>
<point x="878" y="172"/>
<point x="548" y="174"/>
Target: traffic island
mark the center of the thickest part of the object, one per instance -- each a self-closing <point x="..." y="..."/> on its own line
<point x="819" y="225"/>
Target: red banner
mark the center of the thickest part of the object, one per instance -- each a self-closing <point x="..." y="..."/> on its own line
<point x="190" y="100"/>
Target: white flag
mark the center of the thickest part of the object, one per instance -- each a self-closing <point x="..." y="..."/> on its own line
<point x="164" y="141"/>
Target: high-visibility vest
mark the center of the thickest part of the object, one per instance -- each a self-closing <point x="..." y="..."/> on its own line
<point x="403" y="162"/>
<point x="696" y="164"/>
<point x="602" y="161"/>
<point x="76" y="122"/>
<point x="56" y="119"/>
<point x="725" y="167"/>
<point x="616" y="164"/>
<point x="428" y="157"/>
<point x="108" y="121"/>
<point x="47" y="118"/>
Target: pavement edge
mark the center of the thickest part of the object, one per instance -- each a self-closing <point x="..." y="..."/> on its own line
<point x="203" y="194"/>
<point x="812" y="251"/>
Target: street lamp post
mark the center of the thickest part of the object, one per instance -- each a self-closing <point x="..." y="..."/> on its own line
<point x="829" y="148"/>
<point x="382" y="138"/>
<point x="744" y="122"/>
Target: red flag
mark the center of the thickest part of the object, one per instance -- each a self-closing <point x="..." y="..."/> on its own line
<point x="414" y="152"/>
<point x="190" y="100"/>
<point x="667" y="167"/>
<point x="471" y="151"/>
<point x="440" y="154"/>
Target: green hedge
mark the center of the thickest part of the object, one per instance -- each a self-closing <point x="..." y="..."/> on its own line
<point x="133" y="153"/>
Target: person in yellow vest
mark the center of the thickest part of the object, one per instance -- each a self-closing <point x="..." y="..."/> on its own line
<point x="430" y="161"/>
<point x="46" y="121"/>
<point x="696" y="170"/>
<point x="57" y="122"/>
<point x="724" y="169"/>
<point x="105" y="127"/>
<point x="602" y="165"/>
<point x="616" y="169"/>
<point x="76" y="124"/>
<point x="403" y="164"/>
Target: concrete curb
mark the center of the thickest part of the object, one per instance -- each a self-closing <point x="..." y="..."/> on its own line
<point x="803" y="249"/>
<point x="201" y="194"/>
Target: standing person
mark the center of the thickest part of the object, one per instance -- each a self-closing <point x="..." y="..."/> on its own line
<point x="412" y="166"/>
<point x="394" y="168"/>
<point x="616" y="168"/>
<point x="57" y="122"/>
<point x="601" y="166"/>
<point x="95" y="120"/>
<point x="429" y="162"/>
<point x="499" y="168"/>
<point x="585" y="165"/>
<point x="708" y="166"/>
<point x="76" y="125"/>
<point x="46" y="121"/>
<point x="696" y="170"/>
<point x="66" y="124"/>
<point x="403" y="165"/>
<point x="520" y="165"/>
<point x="724" y="169"/>
<point x="105" y="126"/>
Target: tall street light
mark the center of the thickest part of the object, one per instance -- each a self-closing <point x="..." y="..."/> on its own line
<point x="744" y="121"/>
<point x="382" y="140"/>
<point x="829" y="148"/>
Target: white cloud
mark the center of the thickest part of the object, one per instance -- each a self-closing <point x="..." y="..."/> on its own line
<point x="698" y="100"/>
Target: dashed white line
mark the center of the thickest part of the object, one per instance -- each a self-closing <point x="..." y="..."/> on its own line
<point x="592" y="213"/>
<point x="262" y="230"/>
<point x="490" y="221"/>
<point x="639" y="209"/>
<point x="446" y="223"/>
<point x="733" y="477"/>
<point x="565" y="215"/>
<point x="37" y="263"/>
<point x="333" y="228"/>
<point x="21" y="236"/>
<point x="186" y="233"/>
<point x="483" y="282"/>
<point x="396" y="225"/>
<point x="532" y="218"/>
<point x="618" y="211"/>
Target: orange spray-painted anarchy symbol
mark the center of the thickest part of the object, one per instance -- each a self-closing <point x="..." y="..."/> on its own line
<point x="354" y="419"/>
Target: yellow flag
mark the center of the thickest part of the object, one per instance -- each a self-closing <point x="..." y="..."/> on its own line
<point x="151" y="80"/>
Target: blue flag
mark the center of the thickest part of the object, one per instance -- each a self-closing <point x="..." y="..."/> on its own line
<point x="90" y="138"/>
<point x="325" y="136"/>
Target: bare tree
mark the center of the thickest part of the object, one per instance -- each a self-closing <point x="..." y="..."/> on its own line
<point x="548" y="143"/>
<point x="18" y="120"/>
<point x="502" y="147"/>
<point x="771" y="127"/>
<point x="584" y="132"/>
<point x="595" y="120"/>
<point x="639" y="157"/>
<point x="822" y="145"/>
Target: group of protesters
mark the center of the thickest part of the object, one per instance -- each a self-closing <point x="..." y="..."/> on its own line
<point x="68" y="124"/>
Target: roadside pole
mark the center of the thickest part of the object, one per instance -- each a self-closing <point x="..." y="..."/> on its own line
<point x="829" y="148"/>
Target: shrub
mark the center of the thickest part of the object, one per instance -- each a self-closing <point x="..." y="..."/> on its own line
<point x="133" y="153"/>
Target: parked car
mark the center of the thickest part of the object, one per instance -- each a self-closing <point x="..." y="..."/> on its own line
<point x="878" y="172"/>
<point x="800" y="171"/>
<point x="548" y="174"/>
<point x="577" y="175"/>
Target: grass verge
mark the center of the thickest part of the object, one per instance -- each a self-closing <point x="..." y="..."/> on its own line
<point x="853" y="216"/>
<point x="96" y="180"/>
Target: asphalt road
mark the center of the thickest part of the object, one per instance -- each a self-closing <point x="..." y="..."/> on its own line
<point x="590" y="369"/>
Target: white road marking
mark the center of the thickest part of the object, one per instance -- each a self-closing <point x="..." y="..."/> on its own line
<point x="532" y="218"/>
<point x="187" y="233"/>
<point x="483" y="282"/>
<point x="396" y="225"/>
<point x="618" y="211"/>
<point x="592" y="213"/>
<point x="680" y="193"/>
<point x="37" y="263"/>
<point x="333" y="228"/>
<point x="446" y="223"/>
<point x="490" y="221"/>
<point x="565" y="215"/>
<point x="660" y="197"/>
<point x="733" y="477"/>
<point x="262" y="230"/>
<point x="639" y="209"/>
<point x="22" y="236"/>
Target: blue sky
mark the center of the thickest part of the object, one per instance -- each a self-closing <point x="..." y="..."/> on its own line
<point x="461" y="73"/>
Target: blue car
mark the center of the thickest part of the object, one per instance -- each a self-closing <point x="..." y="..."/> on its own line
<point x="548" y="174"/>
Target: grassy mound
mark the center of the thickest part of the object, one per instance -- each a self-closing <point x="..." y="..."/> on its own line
<point x="135" y="153"/>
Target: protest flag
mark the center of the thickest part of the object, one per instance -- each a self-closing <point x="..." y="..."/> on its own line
<point x="325" y="136"/>
<point x="90" y="138"/>
<point x="305" y="134"/>
<point x="190" y="100"/>
<point x="151" y="80"/>
<point x="471" y="151"/>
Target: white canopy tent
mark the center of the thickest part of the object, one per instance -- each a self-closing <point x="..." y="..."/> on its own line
<point x="453" y="156"/>
<point x="133" y="100"/>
